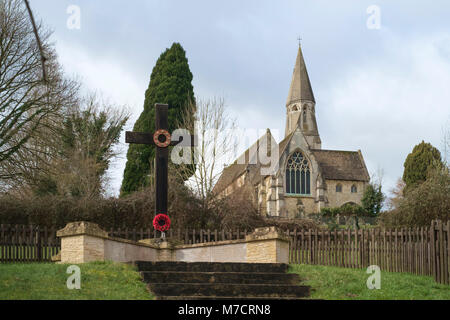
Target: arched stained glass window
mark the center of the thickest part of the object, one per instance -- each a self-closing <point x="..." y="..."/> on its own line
<point x="298" y="175"/>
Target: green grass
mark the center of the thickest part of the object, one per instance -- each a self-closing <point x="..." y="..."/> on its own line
<point x="46" y="281"/>
<point x="333" y="283"/>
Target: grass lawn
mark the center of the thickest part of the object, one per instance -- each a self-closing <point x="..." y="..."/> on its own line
<point x="350" y="284"/>
<point x="46" y="281"/>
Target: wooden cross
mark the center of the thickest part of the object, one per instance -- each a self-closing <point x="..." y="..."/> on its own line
<point x="162" y="140"/>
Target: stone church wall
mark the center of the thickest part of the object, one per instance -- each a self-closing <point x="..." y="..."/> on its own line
<point x="337" y="199"/>
<point x="296" y="205"/>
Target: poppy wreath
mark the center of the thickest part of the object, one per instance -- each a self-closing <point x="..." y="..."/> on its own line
<point x="161" y="222"/>
<point x="162" y="138"/>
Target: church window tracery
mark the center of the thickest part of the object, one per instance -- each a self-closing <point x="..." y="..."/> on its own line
<point x="298" y="175"/>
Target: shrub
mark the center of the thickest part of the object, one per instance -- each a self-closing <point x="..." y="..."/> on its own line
<point x="372" y="200"/>
<point x="345" y="210"/>
<point x="135" y="210"/>
<point x="423" y="203"/>
<point x="418" y="163"/>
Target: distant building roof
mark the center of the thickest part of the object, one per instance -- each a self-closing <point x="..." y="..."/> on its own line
<point x="342" y="165"/>
<point x="228" y="175"/>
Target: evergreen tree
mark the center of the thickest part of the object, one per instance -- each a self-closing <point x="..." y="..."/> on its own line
<point x="372" y="200"/>
<point x="170" y="83"/>
<point x="418" y="163"/>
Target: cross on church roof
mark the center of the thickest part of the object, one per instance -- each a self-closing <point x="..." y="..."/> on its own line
<point x="299" y="41"/>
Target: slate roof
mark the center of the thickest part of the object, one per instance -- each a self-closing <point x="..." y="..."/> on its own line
<point x="342" y="165"/>
<point x="229" y="174"/>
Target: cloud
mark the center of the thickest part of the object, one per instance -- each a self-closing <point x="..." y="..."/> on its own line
<point x="388" y="105"/>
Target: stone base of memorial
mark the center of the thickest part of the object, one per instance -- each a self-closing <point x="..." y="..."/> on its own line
<point x="86" y="242"/>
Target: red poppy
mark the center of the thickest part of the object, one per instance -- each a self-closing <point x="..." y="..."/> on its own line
<point x="161" y="222"/>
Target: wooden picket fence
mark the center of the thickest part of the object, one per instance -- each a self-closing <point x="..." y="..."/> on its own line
<point x="424" y="251"/>
<point x="21" y="243"/>
<point x="187" y="236"/>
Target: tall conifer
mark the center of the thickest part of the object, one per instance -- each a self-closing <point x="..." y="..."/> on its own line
<point x="170" y="83"/>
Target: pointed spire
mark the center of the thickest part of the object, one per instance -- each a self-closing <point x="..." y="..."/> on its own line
<point x="300" y="89"/>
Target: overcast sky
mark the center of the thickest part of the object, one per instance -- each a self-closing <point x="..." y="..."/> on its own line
<point x="379" y="90"/>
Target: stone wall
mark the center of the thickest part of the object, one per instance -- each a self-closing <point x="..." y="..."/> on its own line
<point x="295" y="204"/>
<point x="85" y="242"/>
<point x="124" y="251"/>
<point x="223" y="251"/>
<point x="337" y="199"/>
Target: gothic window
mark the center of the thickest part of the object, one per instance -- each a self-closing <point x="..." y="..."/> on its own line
<point x="294" y="108"/>
<point x="354" y="189"/>
<point x="339" y="187"/>
<point x="298" y="175"/>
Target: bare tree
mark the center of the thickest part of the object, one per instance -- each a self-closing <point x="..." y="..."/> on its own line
<point x="73" y="160"/>
<point x="26" y="100"/>
<point x="397" y="195"/>
<point x="214" y="131"/>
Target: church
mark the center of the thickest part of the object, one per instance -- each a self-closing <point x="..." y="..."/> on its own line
<point x="308" y="178"/>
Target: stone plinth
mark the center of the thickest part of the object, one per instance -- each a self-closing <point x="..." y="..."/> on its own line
<point x="267" y="245"/>
<point x="82" y="242"/>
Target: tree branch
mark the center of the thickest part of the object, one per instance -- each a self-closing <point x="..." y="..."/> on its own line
<point x="38" y="40"/>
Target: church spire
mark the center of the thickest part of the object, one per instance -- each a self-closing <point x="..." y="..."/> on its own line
<point x="300" y="105"/>
<point x="300" y="89"/>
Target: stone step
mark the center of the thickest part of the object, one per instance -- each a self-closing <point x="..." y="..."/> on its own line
<point x="219" y="277"/>
<point x="211" y="267"/>
<point x="228" y="290"/>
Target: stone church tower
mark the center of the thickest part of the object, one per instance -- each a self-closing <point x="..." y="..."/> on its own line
<point x="308" y="178"/>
